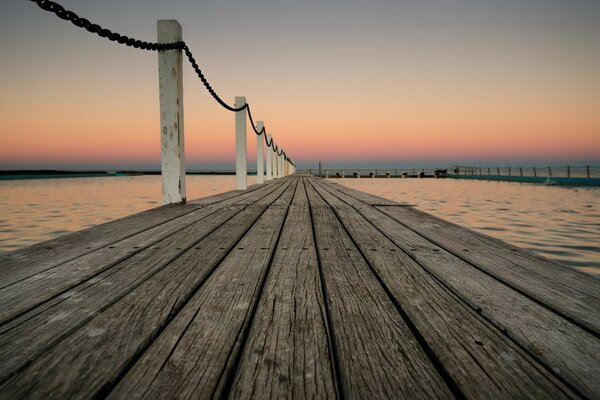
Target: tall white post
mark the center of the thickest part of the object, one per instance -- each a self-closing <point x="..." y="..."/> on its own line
<point x="278" y="164"/>
<point x="269" y="160"/>
<point x="280" y="159"/>
<point x="260" y="164"/>
<point x="275" y="165"/>
<point x="170" y="84"/>
<point x="241" y="169"/>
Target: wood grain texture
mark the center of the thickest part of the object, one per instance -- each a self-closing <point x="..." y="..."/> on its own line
<point x="572" y="294"/>
<point x="193" y="357"/>
<point x="363" y="196"/>
<point x="283" y="291"/>
<point x="472" y="352"/>
<point x="28" y="336"/>
<point x="29" y="261"/>
<point x="377" y="353"/>
<point x="27" y="293"/>
<point x="226" y="195"/>
<point x="88" y="362"/>
<point x="39" y="257"/>
<point x="287" y="353"/>
<point x="564" y="348"/>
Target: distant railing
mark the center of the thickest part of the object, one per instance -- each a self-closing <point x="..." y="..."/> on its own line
<point x="375" y="172"/>
<point x="170" y="47"/>
<point x="546" y="172"/>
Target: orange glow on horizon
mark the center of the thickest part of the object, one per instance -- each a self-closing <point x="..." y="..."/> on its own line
<point x="468" y="85"/>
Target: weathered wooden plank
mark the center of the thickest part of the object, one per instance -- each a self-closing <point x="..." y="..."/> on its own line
<point x="572" y="294"/>
<point x="88" y="362"/>
<point x="32" y="291"/>
<point x="564" y="348"/>
<point x="25" y="262"/>
<point x="193" y="357"/>
<point x="363" y="196"/>
<point x="226" y="195"/>
<point x="472" y="352"/>
<point x="26" y="337"/>
<point x="377" y="353"/>
<point x="287" y="353"/>
<point x="39" y="257"/>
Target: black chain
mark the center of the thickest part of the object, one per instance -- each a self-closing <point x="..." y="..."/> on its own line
<point x="103" y="32"/>
<point x="190" y="57"/>
<point x="76" y="20"/>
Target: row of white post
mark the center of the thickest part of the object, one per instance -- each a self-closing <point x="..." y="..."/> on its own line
<point x="277" y="165"/>
<point x="170" y="72"/>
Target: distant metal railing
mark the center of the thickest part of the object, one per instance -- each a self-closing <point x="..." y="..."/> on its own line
<point x="567" y="171"/>
<point x="375" y="172"/>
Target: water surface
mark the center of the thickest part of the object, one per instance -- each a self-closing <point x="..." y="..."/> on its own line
<point x="560" y="223"/>
<point x="42" y="209"/>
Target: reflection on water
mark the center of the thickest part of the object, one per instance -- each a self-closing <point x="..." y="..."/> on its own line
<point x="560" y="223"/>
<point x="42" y="209"/>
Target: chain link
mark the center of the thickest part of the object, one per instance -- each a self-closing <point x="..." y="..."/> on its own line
<point x="80" y="22"/>
<point x="67" y="15"/>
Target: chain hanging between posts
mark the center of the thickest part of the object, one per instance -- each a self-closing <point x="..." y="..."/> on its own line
<point x="76" y="20"/>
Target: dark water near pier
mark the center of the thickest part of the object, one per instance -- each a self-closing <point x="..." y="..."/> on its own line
<point x="560" y="223"/>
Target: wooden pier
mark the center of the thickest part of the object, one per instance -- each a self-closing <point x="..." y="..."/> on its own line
<point x="295" y="288"/>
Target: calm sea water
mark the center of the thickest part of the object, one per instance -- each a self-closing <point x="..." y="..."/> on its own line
<point x="41" y="209"/>
<point x="560" y="223"/>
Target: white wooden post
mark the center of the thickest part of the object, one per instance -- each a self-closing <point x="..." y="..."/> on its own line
<point x="280" y="165"/>
<point x="275" y="165"/>
<point x="260" y="164"/>
<point x="241" y="171"/>
<point x="170" y="84"/>
<point x="269" y="160"/>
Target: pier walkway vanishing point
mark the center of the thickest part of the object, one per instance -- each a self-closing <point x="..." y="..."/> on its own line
<point x="295" y="288"/>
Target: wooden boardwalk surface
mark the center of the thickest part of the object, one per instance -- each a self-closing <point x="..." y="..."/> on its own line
<point x="297" y="288"/>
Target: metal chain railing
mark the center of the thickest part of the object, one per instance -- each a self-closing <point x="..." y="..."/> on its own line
<point x="84" y="23"/>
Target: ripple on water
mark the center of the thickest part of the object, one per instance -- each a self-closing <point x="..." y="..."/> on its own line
<point x="530" y="216"/>
<point x="490" y="228"/>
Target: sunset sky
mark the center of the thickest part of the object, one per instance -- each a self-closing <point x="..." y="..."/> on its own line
<point x="347" y="82"/>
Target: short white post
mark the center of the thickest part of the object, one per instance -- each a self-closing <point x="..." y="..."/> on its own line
<point x="260" y="164"/>
<point x="269" y="159"/>
<point x="241" y="171"/>
<point x="170" y="84"/>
